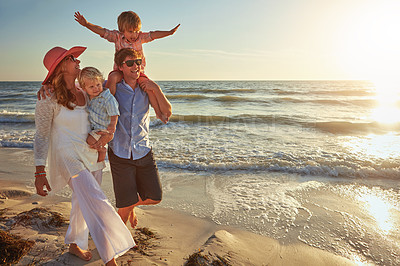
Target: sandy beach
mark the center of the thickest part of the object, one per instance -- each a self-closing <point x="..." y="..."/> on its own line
<point x="166" y="237"/>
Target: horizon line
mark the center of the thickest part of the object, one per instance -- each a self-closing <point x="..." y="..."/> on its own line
<point x="223" y="80"/>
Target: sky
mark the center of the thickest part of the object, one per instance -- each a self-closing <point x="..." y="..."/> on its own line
<point x="217" y="40"/>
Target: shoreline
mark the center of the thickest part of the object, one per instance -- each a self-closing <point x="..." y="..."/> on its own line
<point x="177" y="235"/>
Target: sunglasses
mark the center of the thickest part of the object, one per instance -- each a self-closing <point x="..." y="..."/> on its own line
<point x="130" y="63"/>
<point x="73" y="59"/>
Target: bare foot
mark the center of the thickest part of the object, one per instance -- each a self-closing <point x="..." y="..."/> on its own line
<point x="80" y="253"/>
<point x="112" y="263"/>
<point x="133" y="219"/>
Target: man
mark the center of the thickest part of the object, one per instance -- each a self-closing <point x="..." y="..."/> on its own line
<point x="134" y="171"/>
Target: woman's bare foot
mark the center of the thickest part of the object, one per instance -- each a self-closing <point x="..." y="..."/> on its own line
<point x="80" y="253"/>
<point x="112" y="263"/>
<point x="133" y="219"/>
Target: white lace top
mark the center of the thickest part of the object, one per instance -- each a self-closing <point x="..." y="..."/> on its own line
<point x="61" y="137"/>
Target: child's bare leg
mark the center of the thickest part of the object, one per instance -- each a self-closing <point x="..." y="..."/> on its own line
<point x="90" y="140"/>
<point x="113" y="78"/>
<point x="102" y="153"/>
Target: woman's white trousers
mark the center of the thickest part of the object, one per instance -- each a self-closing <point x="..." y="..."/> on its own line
<point x="91" y="211"/>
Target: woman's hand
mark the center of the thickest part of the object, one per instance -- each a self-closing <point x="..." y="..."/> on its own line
<point x="46" y="89"/>
<point x="103" y="140"/>
<point x="40" y="183"/>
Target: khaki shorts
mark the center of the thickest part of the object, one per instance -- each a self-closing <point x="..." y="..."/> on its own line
<point x="134" y="177"/>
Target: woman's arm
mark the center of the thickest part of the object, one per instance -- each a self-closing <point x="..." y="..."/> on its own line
<point x="41" y="181"/>
<point x="44" y="113"/>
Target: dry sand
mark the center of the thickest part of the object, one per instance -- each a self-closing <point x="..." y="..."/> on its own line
<point x="176" y="235"/>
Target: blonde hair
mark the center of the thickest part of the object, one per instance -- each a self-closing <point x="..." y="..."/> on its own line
<point x="122" y="54"/>
<point x="127" y="20"/>
<point x="63" y="95"/>
<point x="91" y="73"/>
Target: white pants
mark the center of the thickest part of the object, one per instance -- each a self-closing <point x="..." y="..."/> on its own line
<point x="91" y="211"/>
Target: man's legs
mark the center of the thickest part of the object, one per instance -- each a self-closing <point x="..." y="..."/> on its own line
<point x="136" y="182"/>
<point x="128" y="213"/>
<point x="148" y="185"/>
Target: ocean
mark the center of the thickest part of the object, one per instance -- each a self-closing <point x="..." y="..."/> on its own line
<point x="316" y="162"/>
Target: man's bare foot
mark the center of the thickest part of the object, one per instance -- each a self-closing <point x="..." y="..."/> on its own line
<point x="80" y="253"/>
<point x="111" y="263"/>
<point x="133" y="219"/>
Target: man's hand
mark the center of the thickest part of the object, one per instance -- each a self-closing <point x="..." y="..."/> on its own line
<point x="40" y="183"/>
<point x="103" y="140"/>
<point x="80" y="19"/>
<point x="145" y="84"/>
<point x="163" y="118"/>
<point x="45" y="90"/>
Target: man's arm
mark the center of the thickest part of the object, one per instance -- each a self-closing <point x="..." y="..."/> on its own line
<point x="95" y="28"/>
<point x="163" y="103"/>
<point x="156" y="107"/>
<point x="158" y="34"/>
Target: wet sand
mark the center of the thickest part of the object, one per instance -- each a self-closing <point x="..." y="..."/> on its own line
<point x="177" y="235"/>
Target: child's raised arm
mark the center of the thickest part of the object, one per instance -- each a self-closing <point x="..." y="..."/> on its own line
<point x="95" y="28"/>
<point x="158" y="34"/>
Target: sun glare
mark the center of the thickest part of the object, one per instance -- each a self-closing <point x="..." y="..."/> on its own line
<point x="387" y="97"/>
<point x="369" y="50"/>
<point x="369" y="44"/>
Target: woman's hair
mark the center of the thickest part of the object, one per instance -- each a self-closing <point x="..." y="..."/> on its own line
<point x="120" y="56"/>
<point x="127" y="20"/>
<point x="91" y="73"/>
<point x="63" y="95"/>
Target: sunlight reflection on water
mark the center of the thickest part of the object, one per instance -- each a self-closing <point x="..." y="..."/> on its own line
<point x="379" y="210"/>
<point x="381" y="146"/>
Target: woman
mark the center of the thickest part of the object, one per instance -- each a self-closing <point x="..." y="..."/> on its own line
<point x="62" y="127"/>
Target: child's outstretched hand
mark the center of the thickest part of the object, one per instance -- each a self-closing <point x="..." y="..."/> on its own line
<point x="80" y="19"/>
<point x="174" y="29"/>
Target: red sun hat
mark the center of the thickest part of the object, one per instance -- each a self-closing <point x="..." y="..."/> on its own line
<point x="56" y="55"/>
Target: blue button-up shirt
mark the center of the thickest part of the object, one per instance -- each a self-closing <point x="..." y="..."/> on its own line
<point x="131" y="137"/>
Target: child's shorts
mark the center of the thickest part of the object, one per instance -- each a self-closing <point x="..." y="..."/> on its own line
<point x="96" y="136"/>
